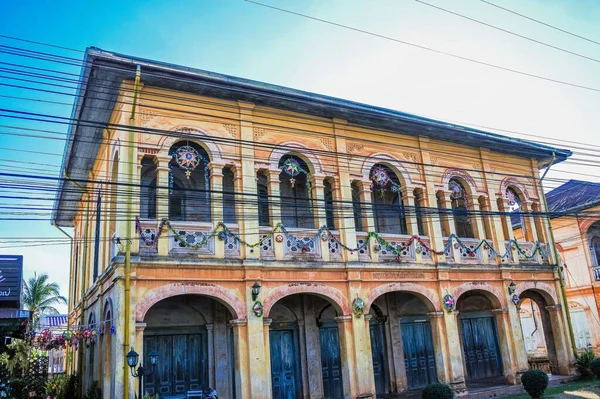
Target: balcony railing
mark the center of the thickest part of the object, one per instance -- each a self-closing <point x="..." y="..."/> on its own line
<point x="208" y="240"/>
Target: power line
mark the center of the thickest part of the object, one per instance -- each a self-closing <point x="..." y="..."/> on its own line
<point x="430" y="49"/>
<point x="509" y="32"/>
<point x="541" y="23"/>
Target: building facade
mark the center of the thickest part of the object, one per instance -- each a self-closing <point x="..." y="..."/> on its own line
<point x="286" y="244"/>
<point x="576" y="226"/>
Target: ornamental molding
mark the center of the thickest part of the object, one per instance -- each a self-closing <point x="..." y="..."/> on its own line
<point x="352" y="148"/>
<point x="258" y="133"/>
<point x="411" y="157"/>
<point x="327" y="143"/>
<point x="515" y="183"/>
<point x="395" y="165"/>
<point x="462" y="175"/>
<point x="197" y="136"/>
<point x="231" y="129"/>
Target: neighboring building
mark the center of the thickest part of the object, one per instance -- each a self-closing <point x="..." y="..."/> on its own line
<point x="301" y="181"/>
<point x="576" y="224"/>
<point x="13" y="319"/>
<point x="57" y="325"/>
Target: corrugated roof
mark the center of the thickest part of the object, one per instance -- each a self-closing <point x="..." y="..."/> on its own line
<point x="573" y="195"/>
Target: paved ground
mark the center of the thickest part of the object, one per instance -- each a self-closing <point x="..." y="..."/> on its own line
<point x="585" y="393"/>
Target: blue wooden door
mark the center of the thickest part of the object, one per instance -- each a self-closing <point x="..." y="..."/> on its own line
<point x="379" y="358"/>
<point x="419" y="356"/>
<point x="331" y="362"/>
<point x="480" y="347"/>
<point x="284" y="364"/>
<point x="183" y="362"/>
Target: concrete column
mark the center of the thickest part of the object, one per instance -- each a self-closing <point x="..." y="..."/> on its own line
<point x="564" y="354"/>
<point x="318" y="196"/>
<point x="432" y="222"/>
<point x="267" y="337"/>
<point x="436" y="319"/>
<point x="162" y="201"/>
<point x="511" y="235"/>
<point x="509" y="364"/>
<point x="242" y="364"/>
<point x="222" y="353"/>
<point x="275" y="208"/>
<point x="448" y="220"/>
<point x="346" y="214"/>
<point x="247" y="220"/>
<point x="515" y="332"/>
<point x="311" y="365"/>
<point x="455" y="356"/>
<point x="216" y="203"/>
<point x="408" y="198"/>
<point x="259" y="370"/>
<point x="528" y="221"/>
<point x="368" y="215"/>
<point x="211" y="354"/>
<point x="477" y="220"/>
<point x="495" y="221"/>
<point x="395" y="347"/>
<point x="347" y="354"/>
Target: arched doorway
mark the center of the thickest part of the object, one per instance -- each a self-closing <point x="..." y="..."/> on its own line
<point x="479" y="337"/>
<point x="536" y="301"/>
<point x="305" y="348"/>
<point x="194" y="342"/>
<point x="402" y="343"/>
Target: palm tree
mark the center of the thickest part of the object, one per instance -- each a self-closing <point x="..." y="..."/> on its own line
<point x="40" y="297"/>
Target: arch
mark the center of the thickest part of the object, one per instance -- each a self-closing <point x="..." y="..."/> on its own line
<point x="213" y="150"/>
<point x="299" y="150"/>
<point x="226" y="296"/>
<point x="516" y="185"/>
<point x="462" y="176"/>
<point x="430" y="297"/>
<point x="494" y="293"/>
<point x="544" y="289"/>
<point x="333" y="295"/>
<point x="108" y="307"/>
<point x="386" y="159"/>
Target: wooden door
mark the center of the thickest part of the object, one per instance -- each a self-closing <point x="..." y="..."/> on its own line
<point x="331" y="362"/>
<point x="284" y="364"/>
<point x="419" y="356"/>
<point x="379" y="358"/>
<point x="480" y="347"/>
<point x="182" y="363"/>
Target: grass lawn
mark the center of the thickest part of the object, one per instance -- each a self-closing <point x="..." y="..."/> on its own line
<point x="560" y="389"/>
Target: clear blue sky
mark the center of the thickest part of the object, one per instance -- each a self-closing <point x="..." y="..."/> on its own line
<point x="246" y="40"/>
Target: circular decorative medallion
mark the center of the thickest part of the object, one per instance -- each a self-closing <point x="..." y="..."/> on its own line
<point x="324" y="236"/>
<point x="291" y="167"/>
<point x="380" y="176"/>
<point x="449" y="302"/>
<point x="376" y="248"/>
<point x="358" y="307"/>
<point x="279" y="238"/>
<point x="187" y="158"/>
<point x="113" y="330"/>
<point x="222" y="235"/>
<point x="257" y="308"/>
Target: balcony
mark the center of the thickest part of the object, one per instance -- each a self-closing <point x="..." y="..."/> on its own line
<point x="202" y="240"/>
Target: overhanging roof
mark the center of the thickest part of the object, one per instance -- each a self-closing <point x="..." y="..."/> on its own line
<point x="104" y="71"/>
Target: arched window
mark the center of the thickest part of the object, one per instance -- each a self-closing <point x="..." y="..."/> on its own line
<point x="296" y="210"/>
<point x="388" y="208"/>
<point x="595" y="247"/>
<point x="189" y="183"/>
<point x="357" y="207"/>
<point x="228" y="196"/>
<point x="460" y="209"/>
<point x="516" y="217"/>
<point x="329" y="207"/>
<point x="148" y="189"/>
<point x="263" y="199"/>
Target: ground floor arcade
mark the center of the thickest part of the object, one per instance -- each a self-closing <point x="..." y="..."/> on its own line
<point x="310" y="339"/>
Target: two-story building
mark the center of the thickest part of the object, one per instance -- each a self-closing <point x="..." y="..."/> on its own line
<point x="289" y="244"/>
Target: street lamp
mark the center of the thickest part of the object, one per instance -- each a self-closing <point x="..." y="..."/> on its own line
<point x="141" y="372"/>
<point x="255" y="290"/>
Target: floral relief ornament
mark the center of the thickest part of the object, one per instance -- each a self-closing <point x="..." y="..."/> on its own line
<point x="187" y="158"/>
<point x="449" y="302"/>
<point x="358" y="307"/>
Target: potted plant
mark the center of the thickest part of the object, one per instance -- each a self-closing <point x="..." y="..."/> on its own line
<point x="583" y="361"/>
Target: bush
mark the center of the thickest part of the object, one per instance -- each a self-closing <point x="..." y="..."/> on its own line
<point x="437" y="391"/>
<point x="595" y="367"/>
<point x="71" y="389"/>
<point x="535" y="382"/>
<point x="583" y="361"/>
<point x="94" y="391"/>
<point x="57" y="386"/>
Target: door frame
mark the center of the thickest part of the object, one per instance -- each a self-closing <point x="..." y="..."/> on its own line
<point x="294" y="328"/>
<point x="480" y="315"/>
<point x="385" y="367"/>
<point x="420" y="320"/>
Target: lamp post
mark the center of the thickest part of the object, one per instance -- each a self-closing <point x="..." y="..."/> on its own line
<point x="141" y="372"/>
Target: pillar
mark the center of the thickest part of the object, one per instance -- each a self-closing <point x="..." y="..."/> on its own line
<point x="311" y="353"/>
<point x="368" y="215"/>
<point x="514" y="253"/>
<point x="515" y="331"/>
<point x="259" y="371"/>
<point x="446" y="204"/>
<point x="266" y="329"/>
<point x="564" y="354"/>
<point x="436" y="319"/>
<point x="275" y="208"/>
<point x="216" y="203"/>
<point x="347" y="354"/>
<point x="210" y="329"/>
<point x="408" y="198"/>
<point x="242" y="361"/>
<point x="162" y="200"/>
<point x="505" y="342"/>
<point x="346" y="219"/>
<point x="318" y="201"/>
<point x="455" y="355"/>
<point x="477" y="220"/>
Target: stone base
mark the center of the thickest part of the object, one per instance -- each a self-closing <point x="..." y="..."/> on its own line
<point x="459" y="387"/>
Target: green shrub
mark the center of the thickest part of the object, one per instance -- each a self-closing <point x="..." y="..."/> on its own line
<point x="71" y="389"/>
<point x="437" y="391"/>
<point x="595" y="367"/>
<point x="57" y="386"/>
<point x="535" y="382"/>
<point x="583" y="361"/>
<point x="93" y="392"/>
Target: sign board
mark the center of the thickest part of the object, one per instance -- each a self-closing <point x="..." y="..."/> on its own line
<point x="11" y="281"/>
